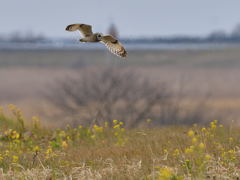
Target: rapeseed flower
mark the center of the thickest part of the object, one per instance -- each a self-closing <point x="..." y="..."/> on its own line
<point x="36" y="148"/>
<point x="15" y="158"/>
<point x="115" y="121"/>
<point x="201" y="146"/>
<point x="165" y="174"/>
<point x="190" y="133"/>
<point x="194" y="140"/>
<point x="148" y="120"/>
<point x="208" y="157"/>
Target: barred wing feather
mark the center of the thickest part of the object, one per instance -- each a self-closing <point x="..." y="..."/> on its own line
<point x="114" y="45"/>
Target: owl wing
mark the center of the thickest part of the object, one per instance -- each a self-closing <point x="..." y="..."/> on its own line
<point x="114" y="45"/>
<point x="85" y="29"/>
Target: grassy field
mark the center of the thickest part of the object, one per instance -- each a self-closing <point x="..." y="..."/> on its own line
<point x="48" y="148"/>
<point x="109" y="151"/>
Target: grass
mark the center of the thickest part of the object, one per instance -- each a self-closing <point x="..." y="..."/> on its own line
<point x="109" y="151"/>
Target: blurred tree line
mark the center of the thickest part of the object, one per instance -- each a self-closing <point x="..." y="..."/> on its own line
<point x="215" y="36"/>
<point x="22" y="37"/>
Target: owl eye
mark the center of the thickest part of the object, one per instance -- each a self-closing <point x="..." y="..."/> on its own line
<point x="99" y="36"/>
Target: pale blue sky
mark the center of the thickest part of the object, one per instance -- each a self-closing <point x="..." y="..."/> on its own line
<point x="132" y="17"/>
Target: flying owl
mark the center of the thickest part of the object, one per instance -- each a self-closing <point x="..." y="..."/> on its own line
<point x="88" y="36"/>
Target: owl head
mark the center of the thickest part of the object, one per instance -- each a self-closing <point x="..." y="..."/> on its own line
<point x="99" y="36"/>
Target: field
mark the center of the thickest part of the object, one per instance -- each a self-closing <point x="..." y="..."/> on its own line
<point x="42" y="140"/>
<point x="30" y="151"/>
<point x="26" y="76"/>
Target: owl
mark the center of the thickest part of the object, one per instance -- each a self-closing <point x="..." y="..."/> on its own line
<point x="88" y="36"/>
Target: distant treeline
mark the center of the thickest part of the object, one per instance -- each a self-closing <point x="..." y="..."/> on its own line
<point x="176" y="39"/>
<point x="19" y="37"/>
<point x="219" y="36"/>
<point x="214" y="37"/>
<point x="185" y="39"/>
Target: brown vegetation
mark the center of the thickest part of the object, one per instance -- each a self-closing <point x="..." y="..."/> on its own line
<point x="111" y="93"/>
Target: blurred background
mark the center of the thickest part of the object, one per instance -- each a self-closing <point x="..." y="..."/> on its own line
<point x="182" y="66"/>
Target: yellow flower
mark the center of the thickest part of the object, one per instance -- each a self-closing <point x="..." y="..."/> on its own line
<point x="16" y="141"/>
<point x="6" y="153"/>
<point x="1" y="157"/>
<point x="64" y="144"/>
<point x="203" y="130"/>
<point x="176" y="152"/>
<point x="49" y="150"/>
<point x="36" y="122"/>
<point x="120" y="123"/>
<point x="106" y="124"/>
<point x="93" y="136"/>
<point x="11" y="107"/>
<point x="36" y="148"/>
<point x="62" y="134"/>
<point x="207" y="157"/>
<point x="190" y="133"/>
<point x="15" y="158"/>
<point x="213" y="124"/>
<point x="35" y="118"/>
<point x="165" y="174"/>
<point x="15" y="135"/>
<point x="98" y="128"/>
<point x="115" y="121"/>
<point x="80" y="127"/>
<point x="194" y="140"/>
<point x="148" y="120"/>
<point x="189" y="150"/>
<point x="116" y="126"/>
<point x="201" y="146"/>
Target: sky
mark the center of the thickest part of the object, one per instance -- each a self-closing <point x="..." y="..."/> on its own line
<point x="133" y="18"/>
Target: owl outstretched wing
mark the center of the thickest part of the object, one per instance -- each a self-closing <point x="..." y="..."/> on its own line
<point x="114" y="45"/>
<point x="85" y="29"/>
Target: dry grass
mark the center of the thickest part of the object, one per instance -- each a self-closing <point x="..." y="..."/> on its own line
<point x="112" y="152"/>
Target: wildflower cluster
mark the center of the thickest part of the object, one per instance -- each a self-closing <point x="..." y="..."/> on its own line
<point x="119" y="132"/>
<point x="110" y="150"/>
<point x="205" y="146"/>
<point x="44" y="146"/>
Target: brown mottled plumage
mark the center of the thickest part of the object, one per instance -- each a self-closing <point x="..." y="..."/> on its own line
<point x="88" y="36"/>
